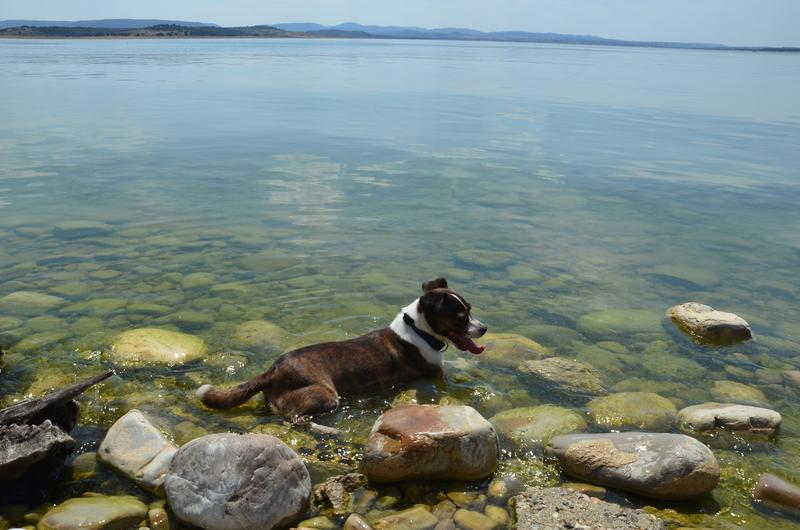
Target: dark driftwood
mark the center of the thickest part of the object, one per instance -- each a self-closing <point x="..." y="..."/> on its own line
<point x="58" y="407"/>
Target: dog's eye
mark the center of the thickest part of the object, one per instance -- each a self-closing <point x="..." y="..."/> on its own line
<point x="461" y="314"/>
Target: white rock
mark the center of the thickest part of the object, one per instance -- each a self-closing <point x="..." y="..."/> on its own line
<point x="730" y="416"/>
<point x="156" y="346"/>
<point x="707" y="325"/>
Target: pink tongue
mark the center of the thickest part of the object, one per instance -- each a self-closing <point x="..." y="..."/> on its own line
<point x="465" y="343"/>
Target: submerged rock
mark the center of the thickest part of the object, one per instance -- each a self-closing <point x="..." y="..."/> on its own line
<point x="633" y="411"/>
<point x="530" y="428"/>
<point x="565" y="375"/>
<point x="237" y="481"/>
<point x="777" y="491"/>
<point x="28" y="303"/>
<point x="733" y="392"/>
<point x="732" y="417"/>
<point x="135" y="448"/>
<point x="261" y="336"/>
<point x="484" y="259"/>
<point x="430" y="442"/>
<point x="510" y="349"/>
<point x="556" y="508"/>
<point x="81" y="229"/>
<point x="94" y="513"/>
<point x="612" y="322"/>
<point x="156" y="346"/>
<point x="709" y="326"/>
<point x="416" y="518"/>
<point x="662" y="466"/>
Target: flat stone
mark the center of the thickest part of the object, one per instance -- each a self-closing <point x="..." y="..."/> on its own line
<point x="135" y="448"/>
<point x="156" y="346"/>
<point x="94" y="513"/>
<point x="530" y="428"/>
<point x="261" y="336"/>
<point x="633" y="411"/>
<point x="559" y="508"/>
<point x="416" y="518"/>
<point x="659" y="465"/>
<point x="81" y="229"/>
<point x="566" y="376"/>
<point x="28" y="303"/>
<point x="731" y="417"/>
<point x="733" y="392"/>
<point x="430" y="442"/>
<point x="706" y="325"/>
<point x="237" y="482"/>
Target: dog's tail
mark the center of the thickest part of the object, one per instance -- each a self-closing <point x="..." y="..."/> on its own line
<point x="225" y="398"/>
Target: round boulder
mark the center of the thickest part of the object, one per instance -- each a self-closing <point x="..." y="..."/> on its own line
<point x="94" y="513"/>
<point x="706" y="325"/>
<point x="633" y="411"/>
<point x="657" y="465"/>
<point x="732" y="417"/>
<point x="237" y="482"/>
<point x="156" y="346"/>
<point x="430" y="442"/>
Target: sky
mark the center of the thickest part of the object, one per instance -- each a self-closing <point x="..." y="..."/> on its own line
<point x="734" y="22"/>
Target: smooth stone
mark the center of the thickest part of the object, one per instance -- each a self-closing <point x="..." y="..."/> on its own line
<point x="73" y="289"/>
<point x="416" y="518"/>
<point x="733" y="392"/>
<point x="97" y="306"/>
<point x="430" y="442"/>
<point x="156" y="346"/>
<point x="659" y="465"/>
<point x="510" y="349"/>
<point x="497" y="514"/>
<point x="7" y="323"/>
<point x="772" y="489"/>
<point x="38" y="341"/>
<point x="44" y="323"/>
<point x="196" y="280"/>
<point x="94" y="513"/>
<point x="559" y="508"/>
<point x="135" y="448"/>
<point x="484" y="259"/>
<point x="192" y="320"/>
<point x="81" y="229"/>
<point x="565" y="375"/>
<point x="237" y="482"/>
<point x="261" y="336"/>
<point x="633" y="411"/>
<point x="732" y="417"/>
<point x="356" y="522"/>
<point x="706" y="325"/>
<point x="27" y="303"/>
<point x="612" y="322"/>
<point x="470" y="520"/>
<point x="530" y="428"/>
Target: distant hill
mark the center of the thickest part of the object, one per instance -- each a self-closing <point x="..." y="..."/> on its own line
<point x="158" y="30"/>
<point x="108" y="23"/>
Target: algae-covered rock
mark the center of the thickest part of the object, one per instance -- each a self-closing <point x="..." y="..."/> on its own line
<point x="633" y="411"/>
<point x="510" y="349"/>
<point x="733" y="392"/>
<point x="530" y="428"/>
<point x="197" y="280"/>
<point x="612" y="322"/>
<point x="94" y="513"/>
<point x="566" y="376"/>
<point x="706" y="325"/>
<point x="156" y="346"/>
<point x="261" y="336"/>
<point x="192" y="320"/>
<point x="29" y="303"/>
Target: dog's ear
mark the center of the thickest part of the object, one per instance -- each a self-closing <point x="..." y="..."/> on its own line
<point x="436" y="283"/>
<point x="431" y="303"/>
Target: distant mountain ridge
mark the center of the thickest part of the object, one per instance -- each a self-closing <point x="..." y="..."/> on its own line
<point x="107" y="23"/>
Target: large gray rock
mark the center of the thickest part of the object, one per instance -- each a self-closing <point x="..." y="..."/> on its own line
<point x="707" y="325"/>
<point x="557" y="508"/>
<point x="26" y="447"/>
<point x="566" y="376"/>
<point x="95" y="513"/>
<point x="156" y="346"/>
<point x="430" y="442"/>
<point x="662" y="466"/>
<point x="237" y="482"/>
<point x="135" y="448"/>
<point x="732" y="417"/>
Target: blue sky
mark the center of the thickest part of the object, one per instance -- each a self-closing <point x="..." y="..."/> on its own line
<point x="742" y="22"/>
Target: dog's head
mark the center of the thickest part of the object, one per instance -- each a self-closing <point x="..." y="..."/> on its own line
<point x="448" y="315"/>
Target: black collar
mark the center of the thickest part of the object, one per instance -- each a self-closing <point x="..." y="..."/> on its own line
<point x="432" y="341"/>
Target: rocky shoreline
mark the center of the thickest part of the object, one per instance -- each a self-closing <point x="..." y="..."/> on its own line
<point x="422" y="466"/>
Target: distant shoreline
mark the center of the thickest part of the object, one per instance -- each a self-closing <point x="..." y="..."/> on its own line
<point x="174" y="32"/>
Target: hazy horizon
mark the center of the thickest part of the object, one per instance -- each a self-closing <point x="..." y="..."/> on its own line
<point x="730" y="22"/>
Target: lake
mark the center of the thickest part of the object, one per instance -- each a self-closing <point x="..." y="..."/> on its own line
<point x="571" y="193"/>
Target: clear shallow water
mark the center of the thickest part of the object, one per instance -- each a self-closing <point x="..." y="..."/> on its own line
<point x="320" y="182"/>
